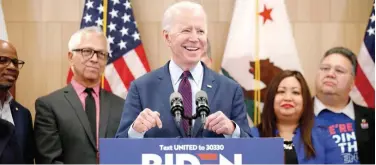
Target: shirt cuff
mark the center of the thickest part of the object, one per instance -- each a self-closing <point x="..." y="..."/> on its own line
<point x="134" y="134"/>
<point x="236" y="133"/>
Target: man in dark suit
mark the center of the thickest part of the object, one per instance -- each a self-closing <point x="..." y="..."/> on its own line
<point x="9" y="146"/>
<point x="10" y="109"/>
<point x="351" y="126"/>
<point x="69" y="121"/>
<point x="147" y="103"/>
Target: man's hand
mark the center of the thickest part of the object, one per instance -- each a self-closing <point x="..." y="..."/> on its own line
<point x="146" y="120"/>
<point x="219" y="123"/>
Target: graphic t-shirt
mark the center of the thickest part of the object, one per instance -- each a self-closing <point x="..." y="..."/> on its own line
<point x="342" y="129"/>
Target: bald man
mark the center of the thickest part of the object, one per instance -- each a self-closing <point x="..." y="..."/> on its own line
<point x="17" y="141"/>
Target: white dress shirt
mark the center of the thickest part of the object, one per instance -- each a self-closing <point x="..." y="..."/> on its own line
<point x="195" y="80"/>
<point x="348" y="110"/>
<point x="5" y="112"/>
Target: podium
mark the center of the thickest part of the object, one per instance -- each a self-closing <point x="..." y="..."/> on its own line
<point x="176" y="151"/>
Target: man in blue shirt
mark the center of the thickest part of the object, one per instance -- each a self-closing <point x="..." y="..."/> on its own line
<point x="350" y="125"/>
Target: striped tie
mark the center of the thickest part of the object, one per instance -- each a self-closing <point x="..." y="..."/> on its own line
<point x="186" y="91"/>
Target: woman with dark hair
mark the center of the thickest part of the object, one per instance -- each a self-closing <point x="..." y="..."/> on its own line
<point x="288" y="113"/>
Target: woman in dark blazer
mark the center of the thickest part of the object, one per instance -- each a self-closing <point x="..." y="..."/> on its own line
<point x="288" y="113"/>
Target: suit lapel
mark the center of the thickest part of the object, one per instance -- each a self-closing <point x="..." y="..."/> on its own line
<point x="17" y="119"/>
<point x="71" y="96"/>
<point x="104" y="112"/>
<point x="3" y="143"/>
<point x="7" y="132"/>
<point x="165" y="89"/>
<point x="360" y="133"/>
<point x="15" y="116"/>
<point x="210" y="87"/>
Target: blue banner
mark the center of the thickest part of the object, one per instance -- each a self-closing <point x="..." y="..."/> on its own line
<point x="193" y="151"/>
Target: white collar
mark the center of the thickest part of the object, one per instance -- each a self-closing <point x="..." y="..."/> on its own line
<point x="176" y="71"/>
<point x="6" y="112"/>
<point x="8" y="99"/>
<point x="348" y="110"/>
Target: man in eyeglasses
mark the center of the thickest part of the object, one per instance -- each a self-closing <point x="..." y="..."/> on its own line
<point x="69" y="121"/>
<point x="350" y="125"/>
<point x="16" y="135"/>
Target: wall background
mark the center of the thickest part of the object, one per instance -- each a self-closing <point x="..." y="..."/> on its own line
<point x="40" y="30"/>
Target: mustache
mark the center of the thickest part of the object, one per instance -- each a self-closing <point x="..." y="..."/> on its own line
<point x="5" y="87"/>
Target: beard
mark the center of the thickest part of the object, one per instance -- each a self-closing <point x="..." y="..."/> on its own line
<point x="5" y="87"/>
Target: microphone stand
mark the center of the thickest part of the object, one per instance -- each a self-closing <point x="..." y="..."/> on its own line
<point x="189" y="118"/>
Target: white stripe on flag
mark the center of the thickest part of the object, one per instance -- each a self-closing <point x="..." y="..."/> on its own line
<point x="3" y="29"/>
<point x="366" y="63"/>
<point x="115" y="82"/>
<point x="357" y="97"/>
<point x="134" y="64"/>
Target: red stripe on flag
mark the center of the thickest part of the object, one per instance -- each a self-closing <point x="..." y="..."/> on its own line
<point x="365" y="88"/>
<point x="106" y="85"/>
<point x="124" y="73"/>
<point x="70" y="75"/>
<point x="141" y="54"/>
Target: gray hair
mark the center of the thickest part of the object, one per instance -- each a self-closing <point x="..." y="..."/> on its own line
<point x="176" y="8"/>
<point x="345" y="52"/>
<point x="75" y="39"/>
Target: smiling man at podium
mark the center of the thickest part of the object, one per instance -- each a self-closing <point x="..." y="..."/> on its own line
<point x="146" y="111"/>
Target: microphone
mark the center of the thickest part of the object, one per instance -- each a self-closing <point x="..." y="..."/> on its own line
<point x="202" y="107"/>
<point x="177" y="109"/>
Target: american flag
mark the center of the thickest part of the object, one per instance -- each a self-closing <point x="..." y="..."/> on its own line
<point x="127" y="59"/>
<point x="364" y="93"/>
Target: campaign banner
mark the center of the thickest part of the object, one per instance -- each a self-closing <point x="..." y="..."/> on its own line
<point x="194" y="151"/>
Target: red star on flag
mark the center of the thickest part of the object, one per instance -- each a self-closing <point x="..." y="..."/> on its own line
<point x="266" y="14"/>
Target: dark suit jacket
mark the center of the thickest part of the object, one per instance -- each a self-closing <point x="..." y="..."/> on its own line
<point x="153" y="91"/>
<point x="62" y="129"/>
<point x="365" y="137"/>
<point x="23" y="132"/>
<point x="10" y="150"/>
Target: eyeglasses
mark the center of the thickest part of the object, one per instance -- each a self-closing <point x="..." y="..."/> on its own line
<point x="5" y="61"/>
<point x="89" y="53"/>
<point x="337" y="70"/>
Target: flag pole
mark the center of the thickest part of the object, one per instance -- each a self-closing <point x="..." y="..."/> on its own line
<point x="104" y="29"/>
<point x="256" y="114"/>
